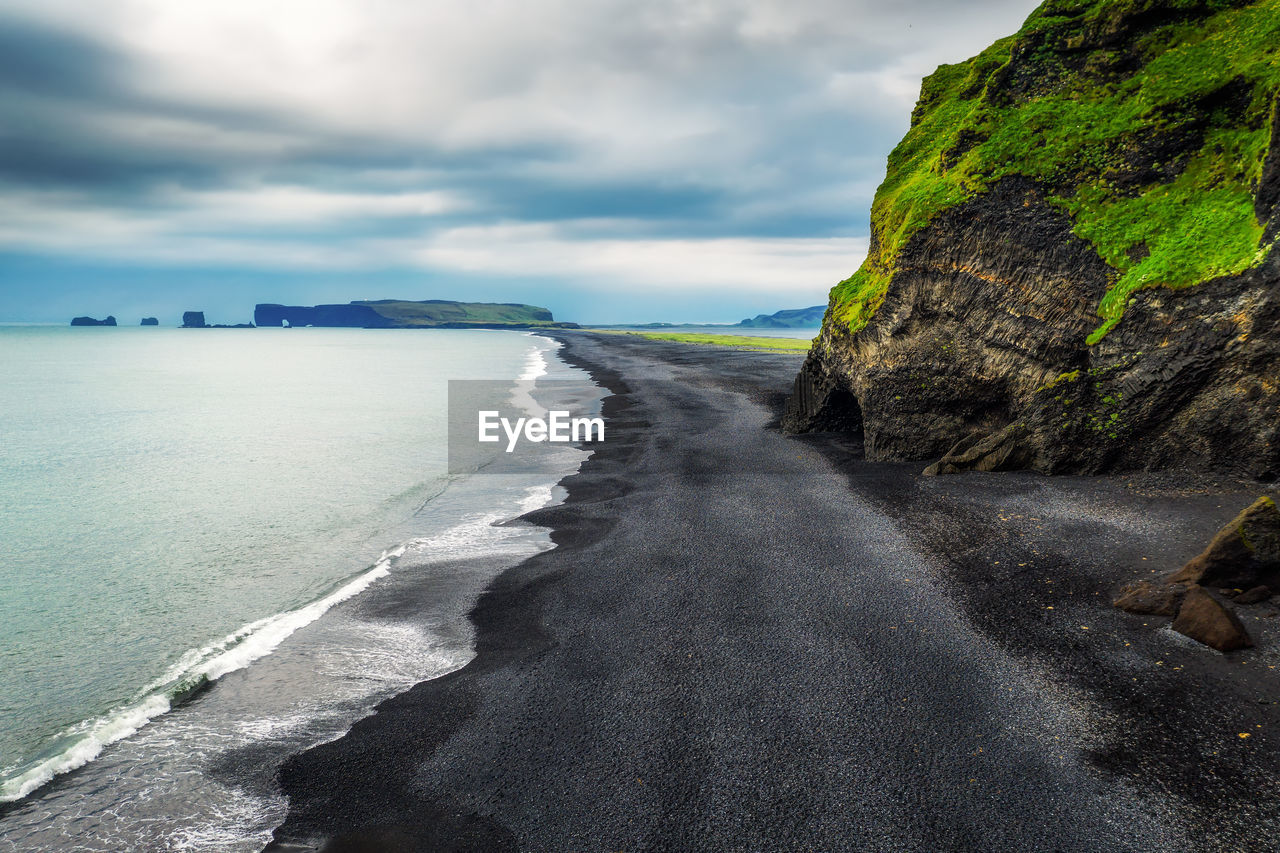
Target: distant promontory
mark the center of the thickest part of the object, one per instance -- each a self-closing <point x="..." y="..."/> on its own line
<point x="789" y="318"/>
<point x="401" y="314"/>
<point x="89" y="321"/>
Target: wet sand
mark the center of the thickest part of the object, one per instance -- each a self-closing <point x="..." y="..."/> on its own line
<point x="750" y="641"/>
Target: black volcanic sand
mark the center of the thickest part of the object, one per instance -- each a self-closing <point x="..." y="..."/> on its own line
<point x="748" y="641"/>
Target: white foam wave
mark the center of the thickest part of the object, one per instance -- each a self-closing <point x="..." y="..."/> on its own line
<point x="234" y="651"/>
<point x="273" y="727"/>
<point x="535" y="365"/>
<point x="480" y="534"/>
<point x="536" y="497"/>
<point x="476" y="534"/>
<point x="93" y="737"/>
<point x="535" y="362"/>
<point x="240" y="817"/>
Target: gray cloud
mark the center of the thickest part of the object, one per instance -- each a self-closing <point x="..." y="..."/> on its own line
<point x="127" y="124"/>
<point x="39" y="59"/>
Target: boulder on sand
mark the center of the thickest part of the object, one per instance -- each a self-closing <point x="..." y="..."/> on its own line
<point x="1257" y="595"/>
<point x="1155" y="599"/>
<point x="1243" y="555"/>
<point x="1242" y="561"/>
<point x="1205" y="619"/>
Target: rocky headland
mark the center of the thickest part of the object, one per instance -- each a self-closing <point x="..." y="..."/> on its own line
<point x="403" y="314"/>
<point x="1071" y="265"/>
<point x="89" y="321"/>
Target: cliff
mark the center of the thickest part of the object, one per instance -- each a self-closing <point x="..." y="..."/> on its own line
<point x="1071" y="265"/>
<point x="89" y="321"/>
<point x="401" y="314"/>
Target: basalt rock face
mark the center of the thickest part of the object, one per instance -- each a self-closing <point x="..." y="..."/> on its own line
<point x="1009" y="320"/>
<point x="945" y="356"/>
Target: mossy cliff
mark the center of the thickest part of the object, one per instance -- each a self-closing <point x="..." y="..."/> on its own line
<point x="1071" y="263"/>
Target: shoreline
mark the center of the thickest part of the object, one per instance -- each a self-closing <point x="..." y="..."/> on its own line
<point x="493" y="647"/>
<point x="221" y="717"/>
<point x="611" y="705"/>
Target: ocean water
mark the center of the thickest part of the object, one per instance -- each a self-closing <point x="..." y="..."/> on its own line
<point x="218" y="547"/>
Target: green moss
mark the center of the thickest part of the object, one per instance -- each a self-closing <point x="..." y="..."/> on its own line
<point x="1093" y="139"/>
<point x="1069" y="376"/>
<point x="1091" y="410"/>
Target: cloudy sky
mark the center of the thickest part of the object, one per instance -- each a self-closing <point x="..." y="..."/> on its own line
<point x="613" y="160"/>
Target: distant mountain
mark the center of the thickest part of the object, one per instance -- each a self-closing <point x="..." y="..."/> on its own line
<point x="403" y="314"/>
<point x="790" y="318"/>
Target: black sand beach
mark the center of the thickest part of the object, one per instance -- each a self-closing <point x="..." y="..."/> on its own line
<point x="749" y="641"/>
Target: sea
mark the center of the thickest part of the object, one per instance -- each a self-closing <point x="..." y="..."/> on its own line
<point x="219" y="547"/>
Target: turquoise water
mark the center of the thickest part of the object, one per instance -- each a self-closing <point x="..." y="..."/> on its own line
<point x="174" y="504"/>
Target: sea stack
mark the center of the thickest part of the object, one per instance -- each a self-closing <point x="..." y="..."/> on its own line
<point x="150" y="321"/>
<point x="89" y="321"/>
<point x="193" y="320"/>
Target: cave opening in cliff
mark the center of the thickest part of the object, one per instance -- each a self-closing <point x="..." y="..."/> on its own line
<point x="839" y="412"/>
